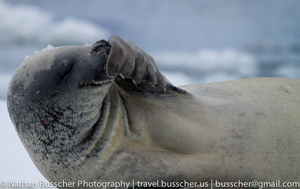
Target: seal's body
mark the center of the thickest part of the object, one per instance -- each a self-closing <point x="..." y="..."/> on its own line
<point x="105" y="113"/>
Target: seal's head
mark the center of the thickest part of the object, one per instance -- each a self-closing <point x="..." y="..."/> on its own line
<point x="53" y="90"/>
<point x="68" y="106"/>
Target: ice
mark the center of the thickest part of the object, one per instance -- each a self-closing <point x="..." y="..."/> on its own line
<point x="291" y="71"/>
<point x="88" y="44"/>
<point x="179" y="78"/>
<point x="227" y="60"/>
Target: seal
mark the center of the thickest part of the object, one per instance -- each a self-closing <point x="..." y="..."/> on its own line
<point x="105" y="112"/>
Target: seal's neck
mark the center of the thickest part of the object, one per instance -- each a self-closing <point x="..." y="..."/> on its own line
<point x="161" y="121"/>
<point x="154" y="133"/>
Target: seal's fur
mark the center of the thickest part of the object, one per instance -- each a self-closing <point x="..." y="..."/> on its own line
<point x="105" y="113"/>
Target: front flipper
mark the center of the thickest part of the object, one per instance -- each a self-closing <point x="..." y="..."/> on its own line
<point x="129" y="61"/>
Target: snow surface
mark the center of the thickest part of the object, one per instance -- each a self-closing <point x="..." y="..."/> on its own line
<point x="15" y="163"/>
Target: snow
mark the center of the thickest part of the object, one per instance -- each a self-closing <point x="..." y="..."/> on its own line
<point x="48" y="48"/>
<point x="15" y="163"/>
<point x="4" y="82"/>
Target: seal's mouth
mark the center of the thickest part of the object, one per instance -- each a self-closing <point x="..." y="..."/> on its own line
<point x="95" y="83"/>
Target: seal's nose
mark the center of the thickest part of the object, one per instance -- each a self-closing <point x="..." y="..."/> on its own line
<point x="101" y="46"/>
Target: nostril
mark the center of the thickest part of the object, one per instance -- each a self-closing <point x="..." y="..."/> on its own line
<point x="101" y="46"/>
